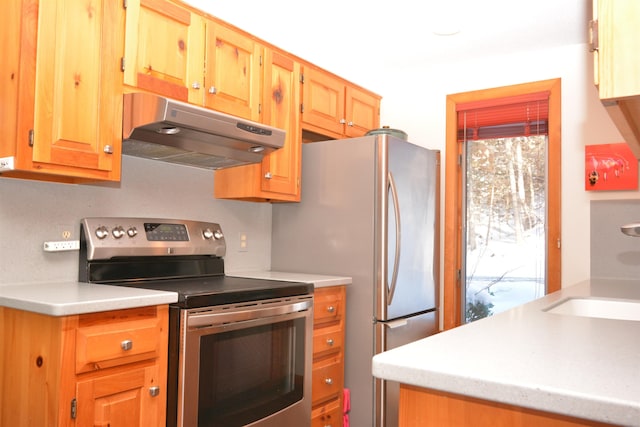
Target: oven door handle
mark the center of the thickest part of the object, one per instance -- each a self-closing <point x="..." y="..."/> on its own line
<point x="198" y="320"/>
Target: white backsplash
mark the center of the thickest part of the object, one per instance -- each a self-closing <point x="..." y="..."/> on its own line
<point x="614" y="254"/>
<point x="32" y="212"/>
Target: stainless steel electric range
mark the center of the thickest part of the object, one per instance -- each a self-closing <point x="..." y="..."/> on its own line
<point x="239" y="349"/>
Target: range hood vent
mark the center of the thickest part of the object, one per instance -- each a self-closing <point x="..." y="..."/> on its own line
<point x="163" y="129"/>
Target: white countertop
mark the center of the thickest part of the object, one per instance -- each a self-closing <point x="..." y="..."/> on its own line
<point x="67" y="298"/>
<point x="579" y="366"/>
<point x="318" y="280"/>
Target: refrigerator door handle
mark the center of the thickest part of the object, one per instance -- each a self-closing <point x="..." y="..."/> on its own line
<point x="396" y="323"/>
<point x="396" y="211"/>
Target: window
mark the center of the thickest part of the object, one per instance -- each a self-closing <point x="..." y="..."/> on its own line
<point x="502" y="198"/>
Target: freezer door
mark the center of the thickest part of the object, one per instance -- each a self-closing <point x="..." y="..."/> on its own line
<point x="410" y="205"/>
<point x="390" y="335"/>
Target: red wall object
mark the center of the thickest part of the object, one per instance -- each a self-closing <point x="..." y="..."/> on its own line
<point x="610" y="167"/>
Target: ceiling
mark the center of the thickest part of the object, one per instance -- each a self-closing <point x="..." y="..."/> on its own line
<point x="347" y="35"/>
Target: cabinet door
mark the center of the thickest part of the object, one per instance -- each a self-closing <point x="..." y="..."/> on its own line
<point x="130" y="398"/>
<point x="164" y="49"/>
<point x="78" y="102"/>
<point x="618" y="68"/>
<point x="323" y="103"/>
<point x="362" y="111"/>
<point x="281" y="102"/>
<point x="277" y="178"/>
<point x="14" y="16"/>
<point x="232" y="74"/>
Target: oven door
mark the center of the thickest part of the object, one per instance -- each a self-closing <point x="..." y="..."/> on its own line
<point x="246" y="364"/>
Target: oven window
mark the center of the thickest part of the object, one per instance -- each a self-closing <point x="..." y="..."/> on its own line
<point x="249" y="374"/>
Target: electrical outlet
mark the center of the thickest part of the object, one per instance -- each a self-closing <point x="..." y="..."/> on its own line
<point x="244" y="242"/>
<point x="66" y="245"/>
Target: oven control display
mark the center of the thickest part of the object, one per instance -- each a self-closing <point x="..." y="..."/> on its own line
<point x="164" y="232"/>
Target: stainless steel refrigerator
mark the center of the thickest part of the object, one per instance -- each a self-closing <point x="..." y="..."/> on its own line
<point x="369" y="210"/>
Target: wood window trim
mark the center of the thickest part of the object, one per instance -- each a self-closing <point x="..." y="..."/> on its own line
<point x="453" y="191"/>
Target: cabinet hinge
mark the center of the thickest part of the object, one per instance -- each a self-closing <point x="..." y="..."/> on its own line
<point x="261" y="60"/>
<point x="31" y="137"/>
<point x="74" y="408"/>
<point x="259" y="108"/>
<point x="302" y="78"/>
<point x="459" y="159"/>
<point x="122" y="64"/>
<point x="124" y="3"/>
<point x="593" y="35"/>
<point x="301" y="108"/>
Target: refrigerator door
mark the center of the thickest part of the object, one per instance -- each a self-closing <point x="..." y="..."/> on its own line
<point x="408" y="208"/>
<point x="390" y="335"/>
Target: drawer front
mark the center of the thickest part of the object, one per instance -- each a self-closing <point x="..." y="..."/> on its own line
<point x="329" y="415"/>
<point x="113" y="344"/>
<point x="326" y="381"/>
<point x="328" y="306"/>
<point x="327" y="340"/>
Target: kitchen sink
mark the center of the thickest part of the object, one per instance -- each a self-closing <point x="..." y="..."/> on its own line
<point x="597" y="307"/>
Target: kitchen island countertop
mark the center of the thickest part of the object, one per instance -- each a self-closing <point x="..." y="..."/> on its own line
<point x="583" y="367"/>
<point x="68" y="298"/>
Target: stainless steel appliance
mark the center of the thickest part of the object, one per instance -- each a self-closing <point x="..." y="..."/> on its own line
<point x="240" y="349"/>
<point x="369" y="210"/>
<point x="163" y="129"/>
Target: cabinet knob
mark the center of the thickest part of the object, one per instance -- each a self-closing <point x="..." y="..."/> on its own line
<point x="108" y="149"/>
<point x="126" y="345"/>
<point x="196" y="85"/>
<point x="330" y="342"/>
<point x="213" y="90"/>
<point x="350" y="124"/>
<point x="331" y="309"/>
<point x="268" y="175"/>
<point x="154" y="391"/>
<point x="328" y="381"/>
<point x="343" y="121"/>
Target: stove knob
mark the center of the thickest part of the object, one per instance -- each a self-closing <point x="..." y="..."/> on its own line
<point x="207" y="234"/>
<point x="118" y="232"/>
<point x="102" y="232"/>
<point x="218" y="234"/>
<point x="132" y="232"/>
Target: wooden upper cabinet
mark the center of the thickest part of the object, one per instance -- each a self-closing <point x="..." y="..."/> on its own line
<point x="615" y="42"/>
<point x="335" y="108"/>
<point x="164" y="50"/>
<point x="232" y="72"/>
<point x="277" y="178"/>
<point x="61" y="90"/>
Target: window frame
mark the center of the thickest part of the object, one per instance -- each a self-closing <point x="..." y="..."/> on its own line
<point x="452" y="289"/>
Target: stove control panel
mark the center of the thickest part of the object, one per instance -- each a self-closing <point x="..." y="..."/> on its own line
<point x="108" y="237"/>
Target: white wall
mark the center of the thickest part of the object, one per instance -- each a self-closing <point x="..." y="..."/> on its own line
<point x="33" y="212"/>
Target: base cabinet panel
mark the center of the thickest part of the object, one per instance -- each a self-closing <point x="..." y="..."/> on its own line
<point x="41" y="386"/>
<point x="327" y="377"/>
<point x="432" y="408"/>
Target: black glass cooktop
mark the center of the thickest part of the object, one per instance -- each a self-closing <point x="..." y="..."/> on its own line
<point x="218" y="290"/>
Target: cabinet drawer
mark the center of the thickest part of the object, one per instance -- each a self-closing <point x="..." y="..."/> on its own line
<point x="103" y="345"/>
<point x="329" y="415"/>
<point x="328" y="306"/>
<point x="327" y="340"/>
<point x="326" y="381"/>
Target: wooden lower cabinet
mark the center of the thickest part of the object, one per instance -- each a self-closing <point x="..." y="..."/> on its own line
<point x="426" y="407"/>
<point x="98" y="369"/>
<point x="328" y="356"/>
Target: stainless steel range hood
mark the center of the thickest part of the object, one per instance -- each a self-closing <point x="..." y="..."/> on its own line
<point x="171" y="131"/>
